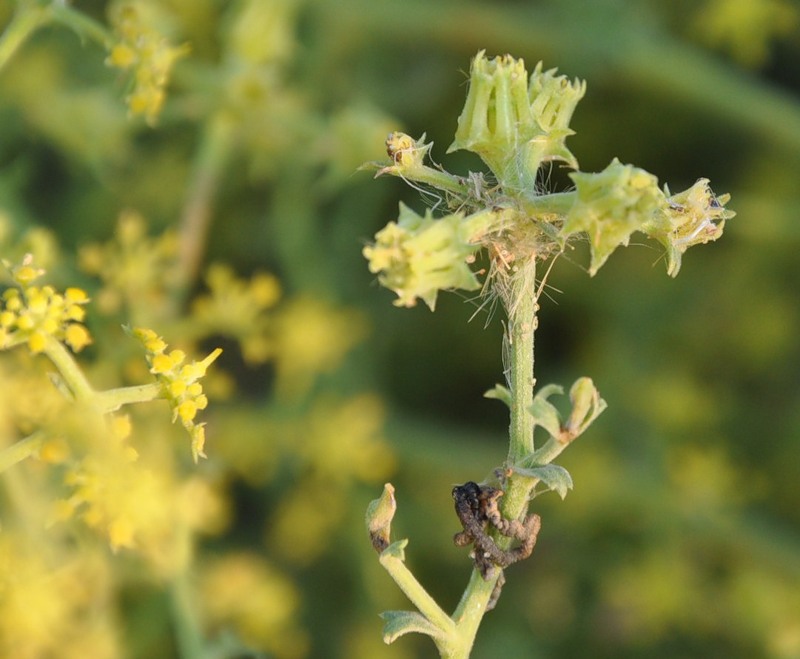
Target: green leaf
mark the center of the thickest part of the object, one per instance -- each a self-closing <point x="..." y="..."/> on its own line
<point x="399" y="623"/>
<point x="544" y="413"/>
<point x="554" y="476"/>
<point x="501" y="393"/>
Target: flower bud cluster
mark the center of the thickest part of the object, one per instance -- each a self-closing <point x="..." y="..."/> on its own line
<point x="419" y="256"/>
<point x="515" y="124"/>
<point x="179" y="383"/>
<point x="693" y="217"/>
<point x="610" y="206"/>
<point x="32" y="314"/>
<point x="149" y="55"/>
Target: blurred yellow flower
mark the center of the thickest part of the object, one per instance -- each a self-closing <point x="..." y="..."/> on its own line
<point x="244" y="591"/>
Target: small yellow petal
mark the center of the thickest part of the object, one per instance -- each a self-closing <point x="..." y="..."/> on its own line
<point x="77" y="337"/>
<point x="36" y="342"/>
<point x="122" y="56"/>
<point x="120" y="533"/>
<point x="187" y="411"/>
<point x="160" y="364"/>
<point x="54" y="450"/>
<point x="176" y="388"/>
<point x="121" y="426"/>
<point x="76" y="295"/>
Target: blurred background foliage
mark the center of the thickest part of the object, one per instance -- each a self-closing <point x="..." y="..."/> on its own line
<point x="235" y="216"/>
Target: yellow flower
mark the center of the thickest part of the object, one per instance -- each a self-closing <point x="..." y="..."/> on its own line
<point x="179" y="383"/>
<point x="30" y="314"/>
<point x="151" y="57"/>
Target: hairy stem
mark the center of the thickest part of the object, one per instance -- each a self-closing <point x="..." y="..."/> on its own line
<point x="521" y="306"/>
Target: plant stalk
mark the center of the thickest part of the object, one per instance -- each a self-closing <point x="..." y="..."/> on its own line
<point x="521" y="307"/>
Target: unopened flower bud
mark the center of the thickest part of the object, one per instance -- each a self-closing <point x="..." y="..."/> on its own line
<point x="610" y="206"/>
<point x="380" y="513"/>
<point x="586" y="407"/>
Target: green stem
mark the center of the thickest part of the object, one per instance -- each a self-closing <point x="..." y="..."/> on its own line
<point x="83" y="25"/>
<point x="21" y="450"/>
<point x="521" y="307"/>
<point x="25" y="21"/>
<point x="113" y="399"/>
<point x="71" y="373"/>
<point x="557" y="203"/>
<point x="185" y="617"/>
<point x="29" y="17"/>
<point x="392" y="561"/>
<point x="429" y="176"/>
<point x="212" y="157"/>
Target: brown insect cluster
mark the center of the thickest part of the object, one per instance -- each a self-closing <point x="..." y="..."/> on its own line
<point x="478" y="511"/>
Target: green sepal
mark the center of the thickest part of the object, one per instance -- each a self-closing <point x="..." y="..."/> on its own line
<point x="396" y="550"/>
<point x="501" y="393"/>
<point x="399" y="623"/>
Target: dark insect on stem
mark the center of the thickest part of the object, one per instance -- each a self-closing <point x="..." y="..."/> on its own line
<point x="478" y="511"/>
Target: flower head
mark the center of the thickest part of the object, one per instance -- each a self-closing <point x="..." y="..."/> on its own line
<point x="150" y="56"/>
<point x="513" y="123"/>
<point x="419" y="256"/>
<point x="34" y="314"/>
<point x="692" y="217"/>
<point x="179" y="383"/>
<point x="610" y="206"/>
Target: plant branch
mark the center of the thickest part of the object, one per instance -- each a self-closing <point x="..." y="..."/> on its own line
<point x="392" y="561"/>
<point x="215" y="147"/>
<point x="113" y="399"/>
<point x="68" y="368"/>
<point x="521" y="307"/>
<point x="24" y="22"/>
<point x="21" y="450"/>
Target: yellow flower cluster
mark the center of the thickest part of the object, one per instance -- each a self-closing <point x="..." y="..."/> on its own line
<point x="238" y="308"/>
<point x="136" y="268"/>
<point x="151" y="57"/>
<point x="52" y="609"/>
<point x="179" y="383"/>
<point x="264" y="618"/>
<point x="32" y="314"/>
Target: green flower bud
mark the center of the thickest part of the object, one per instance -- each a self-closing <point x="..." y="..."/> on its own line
<point x="610" y="206"/>
<point x="586" y="407"/>
<point x="380" y="513"/>
<point x="419" y="256"/>
<point x="513" y="124"/>
<point x="694" y="216"/>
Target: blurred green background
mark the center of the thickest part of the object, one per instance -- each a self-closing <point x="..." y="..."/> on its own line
<point x="682" y="535"/>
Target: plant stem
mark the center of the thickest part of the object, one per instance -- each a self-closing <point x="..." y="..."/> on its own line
<point x="113" y="399"/>
<point x="24" y="23"/>
<point x="85" y="26"/>
<point x="21" y="450"/>
<point x="521" y="307"/>
<point x="70" y="372"/>
<point x="215" y="147"/>
<point x="392" y="561"/>
<point x="29" y="17"/>
<point x="183" y="600"/>
<point x="557" y="203"/>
